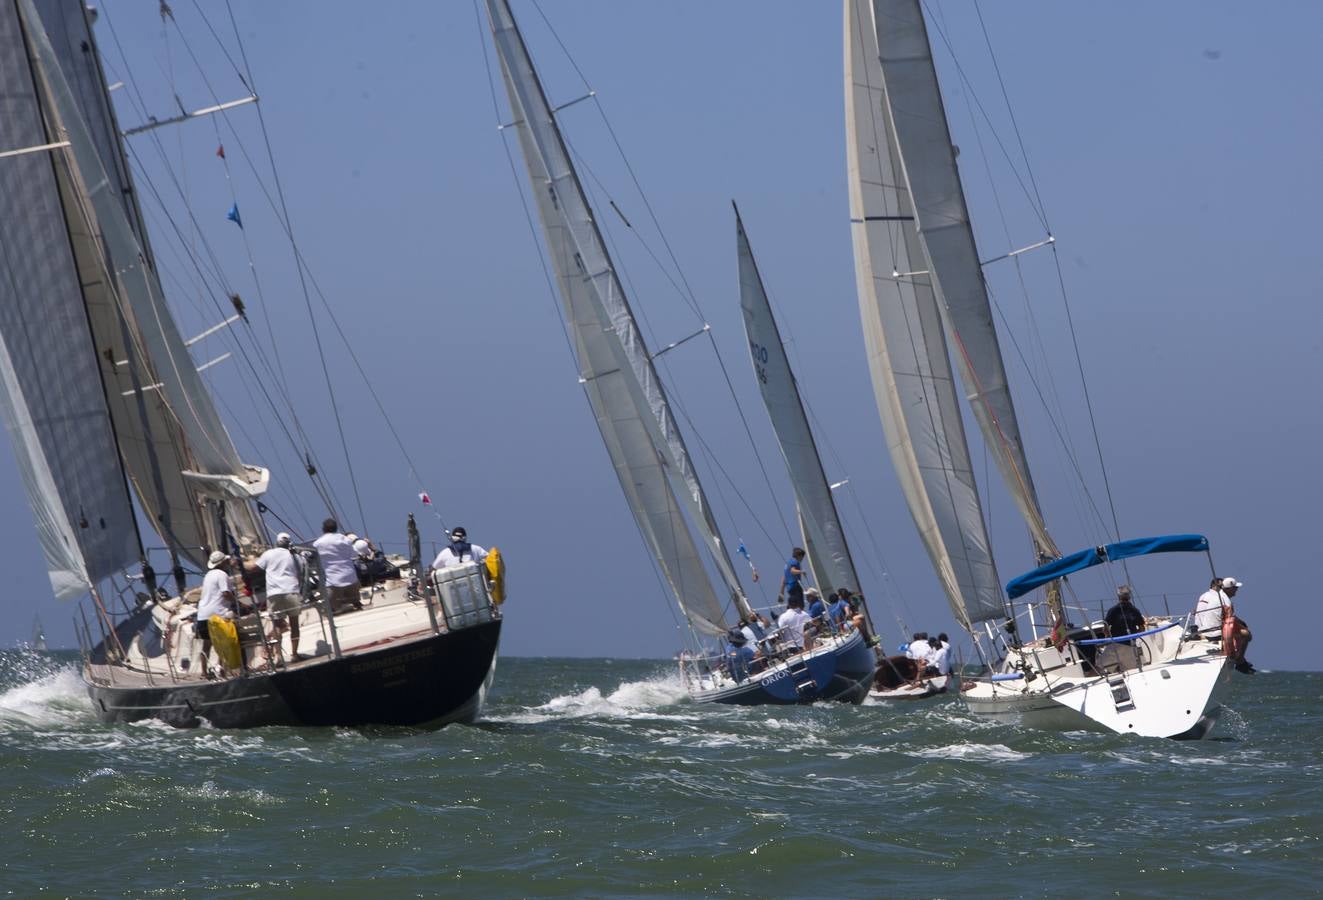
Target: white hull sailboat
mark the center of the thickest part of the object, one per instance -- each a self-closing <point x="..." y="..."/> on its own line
<point x="923" y="299"/>
<point x="112" y="424"/>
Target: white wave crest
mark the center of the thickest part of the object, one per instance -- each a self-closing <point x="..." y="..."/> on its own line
<point x="55" y="699"/>
<point x="977" y="752"/>
<point x="630" y="700"/>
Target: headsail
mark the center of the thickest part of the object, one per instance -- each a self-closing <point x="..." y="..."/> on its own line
<point x="907" y="350"/>
<point x="923" y="139"/>
<point x="174" y="446"/>
<point x="52" y="398"/>
<point x="623" y="387"/>
<point x="824" y="538"/>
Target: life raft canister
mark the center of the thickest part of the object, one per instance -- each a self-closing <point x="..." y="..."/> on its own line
<point x="225" y="638"/>
<point x="496" y="575"/>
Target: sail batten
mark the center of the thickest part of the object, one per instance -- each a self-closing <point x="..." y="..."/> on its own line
<point x="623" y="388"/>
<point x="824" y="538"/>
<point x="906" y="339"/>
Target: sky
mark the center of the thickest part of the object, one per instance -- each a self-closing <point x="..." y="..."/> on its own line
<point x="1174" y="147"/>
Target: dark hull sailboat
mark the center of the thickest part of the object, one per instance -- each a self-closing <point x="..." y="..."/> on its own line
<point x="422" y="680"/>
<point x="112" y="425"/>
<point x="840" y="671"/>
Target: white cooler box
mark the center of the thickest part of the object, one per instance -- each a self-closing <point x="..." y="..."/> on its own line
<point x="463" y="594"/>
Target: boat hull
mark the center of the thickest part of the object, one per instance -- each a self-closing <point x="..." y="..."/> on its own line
<point x="841" y="673"/>
<point x="1174" y="698"/>
<point x="432" y="680"/>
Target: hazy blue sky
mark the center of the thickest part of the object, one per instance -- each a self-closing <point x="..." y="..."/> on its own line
<point x="1175" y="146"/>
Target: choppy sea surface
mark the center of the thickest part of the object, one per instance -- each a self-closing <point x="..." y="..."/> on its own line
<point x="593" y="777"/>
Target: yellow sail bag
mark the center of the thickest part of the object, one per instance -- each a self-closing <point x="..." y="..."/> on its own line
<point x="496" y="575"/>
<point x="225" y="638"/>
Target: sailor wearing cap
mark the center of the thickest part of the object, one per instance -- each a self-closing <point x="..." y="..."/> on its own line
<point x="739" y="655"/>
<point x="217" y="600"/>
<point x="459" y="551"/>
<point x="283" y="579"/>
<point x="1214" y="614"/>
<point x="1124" y="617"/>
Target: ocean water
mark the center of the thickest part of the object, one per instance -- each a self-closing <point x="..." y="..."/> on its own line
<point x="593" y="777"/>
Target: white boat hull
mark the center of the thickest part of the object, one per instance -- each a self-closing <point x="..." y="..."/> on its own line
<point x="1174" y="693"/>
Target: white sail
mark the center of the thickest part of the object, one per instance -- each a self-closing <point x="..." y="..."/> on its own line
<point x="923" y="139"/>
<point x="623" y="387"/>
<point x="173" y="443"/>
<point x="907" y="351"/>
<point x="53" y="401"/>
<point x="824" y="538"/>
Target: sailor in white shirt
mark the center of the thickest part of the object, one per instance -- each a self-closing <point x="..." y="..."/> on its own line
<point x="283" y="598"/>
<point x="217" y="599"/>
<point x="792" y="622"/>
<point x="1208" y="611"/>
<point x="938" y="655"/>
<point x="458" y="551"/>
<point x="919" y="648"/>
<point x="336" y="554"/>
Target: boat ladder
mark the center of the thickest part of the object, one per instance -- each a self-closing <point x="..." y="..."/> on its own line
<point x="804" y="683"/>
<point x="1120" y="692"/>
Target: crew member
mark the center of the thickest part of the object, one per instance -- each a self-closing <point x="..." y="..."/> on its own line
<point x="459" y="551"/>
<point x="1124" y="617"/>
<point x="283" y="598"/>
<point x="217" y="600"/>
<point x="336" y="554"/>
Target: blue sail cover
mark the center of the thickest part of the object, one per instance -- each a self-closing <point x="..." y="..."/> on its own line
<point x="1075" y="562"/>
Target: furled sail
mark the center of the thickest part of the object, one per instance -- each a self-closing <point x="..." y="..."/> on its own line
<point x="173" y="444"/>
<point x="923" y="139"/>
<point x="623" y="388"/>
<point x="907" y="349"/>
<point x="824" y="538"/>
<point x="53" y="401"/>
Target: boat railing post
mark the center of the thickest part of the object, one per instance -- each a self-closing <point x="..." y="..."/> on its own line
<point x="429" y="586"/>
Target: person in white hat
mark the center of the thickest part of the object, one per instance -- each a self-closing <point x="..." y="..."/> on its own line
<point x="217" y="600"/>
<point x="1215" y="615"/>
<point x="283" y="578"/>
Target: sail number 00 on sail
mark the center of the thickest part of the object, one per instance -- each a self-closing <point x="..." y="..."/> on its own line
<point x="759" y="360"/>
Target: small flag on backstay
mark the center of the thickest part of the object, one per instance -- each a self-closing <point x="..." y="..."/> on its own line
<point x="220" y="151"/>
<point x="427" y="501"/>
<point x="233" y="215"/>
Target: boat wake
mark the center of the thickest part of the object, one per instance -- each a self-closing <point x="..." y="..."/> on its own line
<point x="630" y="700"/>
<point x="44" y="694"/>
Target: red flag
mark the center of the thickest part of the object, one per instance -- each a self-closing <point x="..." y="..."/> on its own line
<point x="220" y="151"/>
<point x="427" y="501"/>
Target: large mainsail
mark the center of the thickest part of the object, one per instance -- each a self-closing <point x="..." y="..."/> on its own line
<point x="53" y="400"/>
<point x="824" y="538"/>
<point x="623" y="387"/>
<point x="923" y="139"/>
<point x="174" y="447"/>
<point x="907" y="349"/>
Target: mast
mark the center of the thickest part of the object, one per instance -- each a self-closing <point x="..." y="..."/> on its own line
<point x="923" y="139"/>
<point x="174" y="447"/>
<point x="642" y="438"/>
<point x="52" y="398"/>
<point x="907" y="346"/>
<point x="824" y="538"/>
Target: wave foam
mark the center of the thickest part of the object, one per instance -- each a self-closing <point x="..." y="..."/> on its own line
<point x="630" y="700"/>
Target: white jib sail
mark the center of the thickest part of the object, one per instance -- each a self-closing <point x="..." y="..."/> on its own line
<point x="907" y="352"/>
<point x="623" y="388"/>
<point x="824" y="538"/>
<point x="923" y="139"/>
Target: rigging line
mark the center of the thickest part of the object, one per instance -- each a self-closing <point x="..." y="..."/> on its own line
<point x="1028" y="168"/>
<point x="1088" y="399"/>
<point x="1056" y="426"/>
<point x="303" y="276"/>
<point x="581" y="162"/>
<point x="225" y="51"/>
<point x="519" y="189"/>
<point x="229" y="180"/>
<point x="969" y="85"/>
<point x="623" y="158"/>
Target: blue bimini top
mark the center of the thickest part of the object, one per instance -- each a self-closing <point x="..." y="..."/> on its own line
<point x="1075" y="562"/>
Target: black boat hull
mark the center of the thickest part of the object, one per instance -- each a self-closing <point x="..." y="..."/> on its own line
<point x="432" y="680"/>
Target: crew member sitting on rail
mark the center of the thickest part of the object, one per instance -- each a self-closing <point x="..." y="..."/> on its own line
<point x="938" y="663"/>
<point x="1124" y="617"/>
<point x="459" y="551"/>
